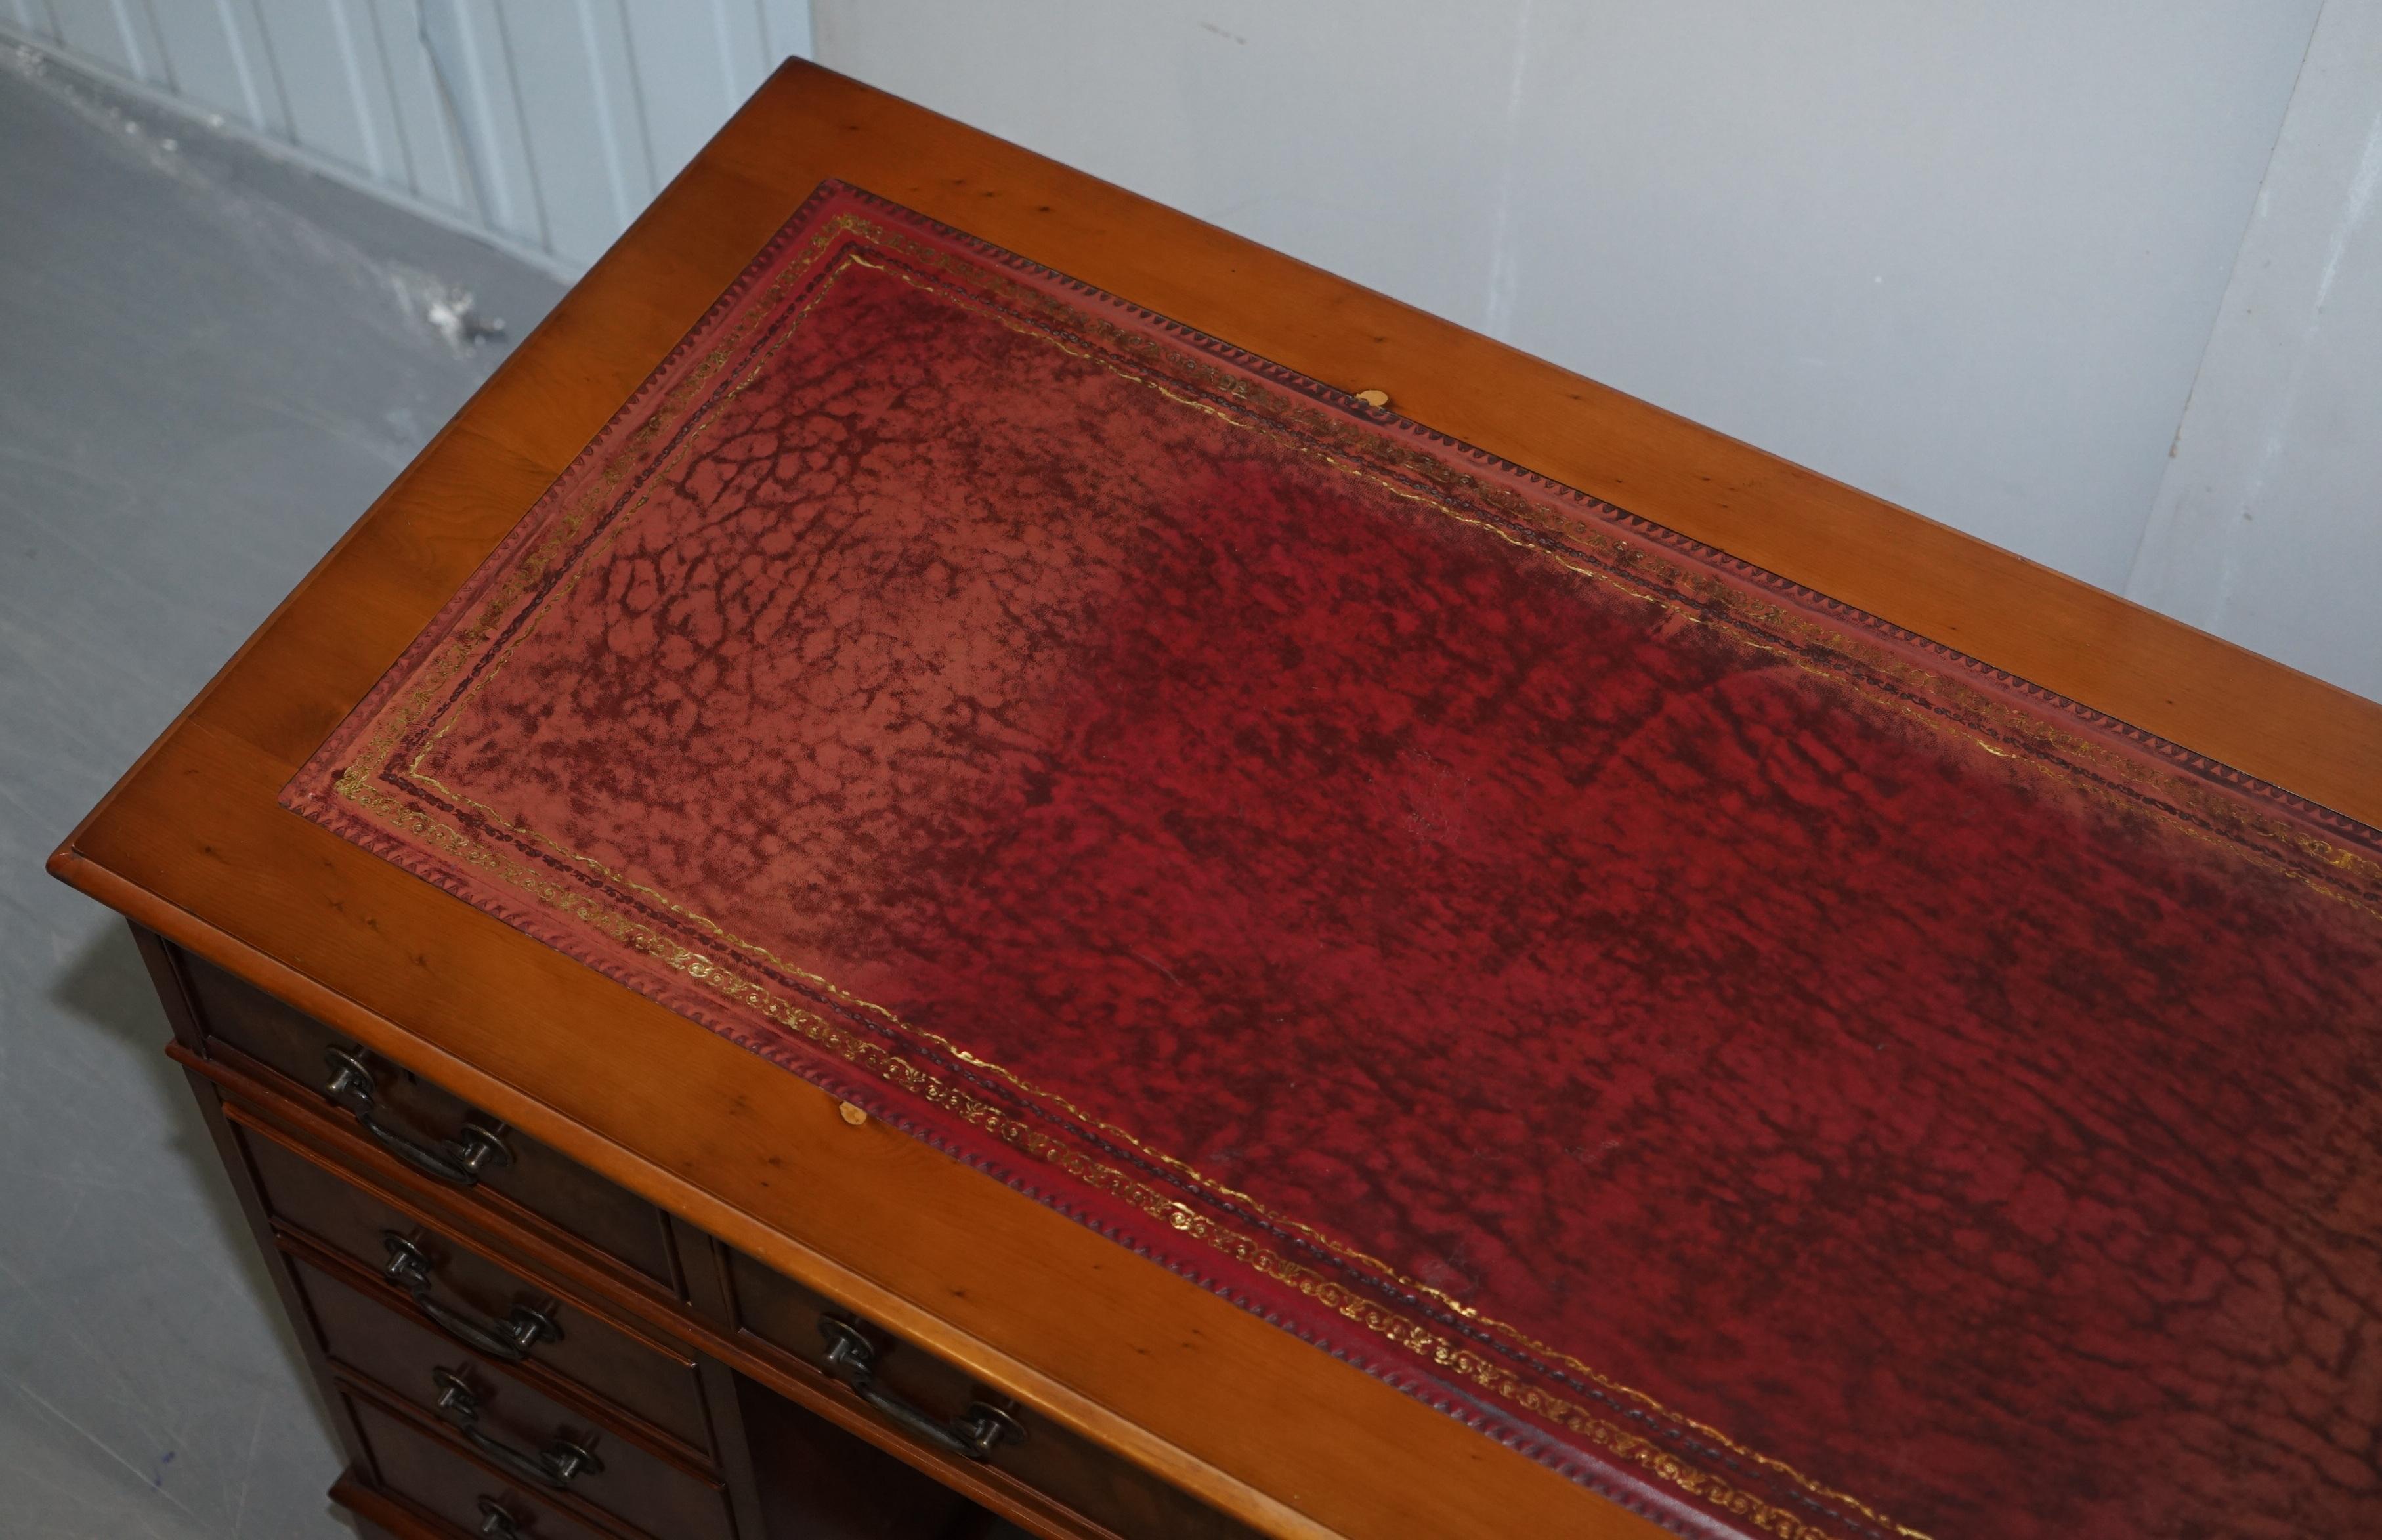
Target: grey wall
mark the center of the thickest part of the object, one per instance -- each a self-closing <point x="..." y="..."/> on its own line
<point x="544" y="124"/>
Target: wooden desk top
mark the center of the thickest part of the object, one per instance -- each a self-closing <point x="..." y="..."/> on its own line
<point x="192" y="843"/>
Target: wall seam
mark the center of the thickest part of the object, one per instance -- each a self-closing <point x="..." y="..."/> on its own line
<point x="2151" y="521"/>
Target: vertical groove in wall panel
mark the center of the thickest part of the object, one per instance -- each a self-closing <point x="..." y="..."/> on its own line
<point x="87" y="28"/>
<point x="140" y="61"/>
<point x="610" y="87"/>
<point x="456" y="71"/>
<point x="381" y="158"/>
<point x="202" y="55"/>
<point x="640" y="117"/>
<point x="682" y="68"/>
<point x="251" y="90"/>
<point x="385" y="83"/>
<point x="565" y="87"/>
<point x="424" y="123"/>
<point x="142" y="17"/>
<point x="744" y="47"/>
<point x="723" y="42"/>
<point x="375" y="97"/>
<point x="317" y="76"/>
<point x="249" y="19"/>
<point x="506" y="66"/>
<point x="468" y="53"/>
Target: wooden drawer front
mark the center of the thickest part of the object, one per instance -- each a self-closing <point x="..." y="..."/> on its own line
<point x="1051" y="1460"/>
<point x="416" y="1364"/>
<point x="410" y="1111"/>
<point x="648" y="1379"/>
<point x="426" y="1473"/>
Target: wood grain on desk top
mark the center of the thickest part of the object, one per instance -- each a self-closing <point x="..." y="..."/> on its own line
<point x="192" y="844"/>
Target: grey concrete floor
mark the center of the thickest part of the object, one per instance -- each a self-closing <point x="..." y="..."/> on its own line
<point x="209" y="364"/>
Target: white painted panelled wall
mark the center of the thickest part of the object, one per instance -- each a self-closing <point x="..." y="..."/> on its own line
<point x="545" y="125"/>
<point x="2097" y="280"/>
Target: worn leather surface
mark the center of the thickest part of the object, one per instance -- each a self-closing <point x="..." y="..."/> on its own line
<point x="1777" y="1071"/>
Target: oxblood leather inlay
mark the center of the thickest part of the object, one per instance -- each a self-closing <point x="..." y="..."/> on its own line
<point x="1772" y="1068"/>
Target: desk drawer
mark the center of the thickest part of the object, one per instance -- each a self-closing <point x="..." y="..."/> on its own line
<point x="413" y="1464"/>
<point x="469" y="1297"/>
<point x="509" y="1419"/>
<point x="1041" y="1454"/>
<point x="431" y="1129"/>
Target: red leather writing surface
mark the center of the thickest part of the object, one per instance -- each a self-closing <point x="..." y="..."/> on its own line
<point x="1771" y="1068"/>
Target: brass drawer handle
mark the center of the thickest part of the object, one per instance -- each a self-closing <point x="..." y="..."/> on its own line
<point x="973" y="1434"/>
<point x="554" y="1465"/>
<point x="511" y="1339"/>
<point x="496" y="1523"/>
<point x="459" y="1160"/>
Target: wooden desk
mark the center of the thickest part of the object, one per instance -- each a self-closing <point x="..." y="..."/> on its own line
<point x="633" y="1254"/>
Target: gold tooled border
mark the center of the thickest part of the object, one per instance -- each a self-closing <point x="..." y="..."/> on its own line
<point x="1750" y="620"/>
